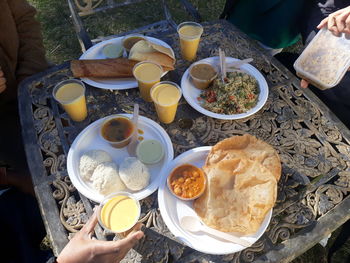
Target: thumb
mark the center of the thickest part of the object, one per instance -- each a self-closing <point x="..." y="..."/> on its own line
<point x="304" y="84"/>
<point x="131" y="240"/>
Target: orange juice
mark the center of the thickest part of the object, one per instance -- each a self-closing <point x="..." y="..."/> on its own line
<point x="71" y="95"/>
<point x="147" y="74"/>
<point x="190" y="34"/>
<point x="166" y="96"/>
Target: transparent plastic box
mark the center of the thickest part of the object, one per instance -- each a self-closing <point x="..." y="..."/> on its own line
<point x="324" y="62"/>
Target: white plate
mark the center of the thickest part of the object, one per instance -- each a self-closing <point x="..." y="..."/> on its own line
<point x="191" y="93"/>
<point x="89" y="139"/>
<point x="95" y="52"/>
<point x="173" y="209"/>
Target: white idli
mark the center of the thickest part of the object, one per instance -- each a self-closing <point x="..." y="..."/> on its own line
<point x="134" y="174"/>
<point x="105" y="179"/>
<point x="90" y="160"/>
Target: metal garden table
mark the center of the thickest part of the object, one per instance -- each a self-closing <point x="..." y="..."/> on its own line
<point x="313" y="195"/>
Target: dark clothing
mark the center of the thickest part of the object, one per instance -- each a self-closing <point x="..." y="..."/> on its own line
<point x="22" y="229"/>
<point x="275" y="23"/>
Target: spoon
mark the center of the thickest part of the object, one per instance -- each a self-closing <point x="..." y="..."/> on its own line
<point x="134" y="141"/>
<point x="193" y="224"/>
<point x="239" y="63"/>
<point x="222" y="64"/>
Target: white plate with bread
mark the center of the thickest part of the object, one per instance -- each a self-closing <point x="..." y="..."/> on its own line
<point x="101" y="65"/>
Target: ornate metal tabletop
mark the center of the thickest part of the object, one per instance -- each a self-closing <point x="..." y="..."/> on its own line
<point x="313" y="193"/>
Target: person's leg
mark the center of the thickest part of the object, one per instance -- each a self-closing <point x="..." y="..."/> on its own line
<point x="12" y="153"/>
<point x="22" y="228"/>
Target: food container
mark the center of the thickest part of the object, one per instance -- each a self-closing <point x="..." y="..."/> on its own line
<point x="150" y="151"/>
<point x="202" y="74"/>
<point x="130" y="40"/>
<point x="119" y="212"/>
<point x="325" y="60"/>
<point x="112" y="50"/>
<point x="187" y="182"/>
<point x="117" y="130"/>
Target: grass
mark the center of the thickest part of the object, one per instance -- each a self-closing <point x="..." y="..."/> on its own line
<point x="61" y="45"/>
<point x="59" y="36"/>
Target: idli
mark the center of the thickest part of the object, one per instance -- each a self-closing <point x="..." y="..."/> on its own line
<point x="105" y="179"/>
<point x="90" y="160"/>
<point x="134" y="174"/>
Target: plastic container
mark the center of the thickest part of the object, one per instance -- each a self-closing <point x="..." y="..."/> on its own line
<point x="325" y="60"/>
<point x="202" y="74"/>
<point x="119" y="212"/>
<point x="150" y="151"/>
<point x="125" y="126"/>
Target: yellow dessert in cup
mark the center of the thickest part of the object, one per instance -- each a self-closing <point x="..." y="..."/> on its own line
<point x="71" y="95"/>
<point x="189" y="34"/>
<point x="147" y="74"/>
<point x="166" y="96"/>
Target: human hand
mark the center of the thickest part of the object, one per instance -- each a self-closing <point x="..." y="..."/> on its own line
<point x="83" y="249"/>
<point x="2" y="81"/>
<point x="304" y="84"/>
<point x="337" y="22"/>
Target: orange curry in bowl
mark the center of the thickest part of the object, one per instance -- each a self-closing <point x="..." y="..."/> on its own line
<point x="187" y="182"/>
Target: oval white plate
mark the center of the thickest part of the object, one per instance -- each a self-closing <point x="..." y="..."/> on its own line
<point x="95" y="52"/>
<point x="90" y="139"/>
<point x="191" y="93"/>
<point x="173" y="209"/>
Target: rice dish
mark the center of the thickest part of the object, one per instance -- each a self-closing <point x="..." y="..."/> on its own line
<point x="106" y="180"/>
<point x="90" y="160"/>
<point x="134" y="174"/>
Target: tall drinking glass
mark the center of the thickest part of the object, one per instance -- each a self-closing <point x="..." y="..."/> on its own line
<point x="71" y="95"/>
<point x="189" y="34"/>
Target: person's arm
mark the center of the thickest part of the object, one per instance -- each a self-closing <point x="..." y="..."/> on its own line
<point x="84" y="249"/>
<point x="31" y="53"/>
<point x="337" y="22"/>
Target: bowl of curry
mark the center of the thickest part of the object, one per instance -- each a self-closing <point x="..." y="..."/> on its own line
<point x="187" y="182"/>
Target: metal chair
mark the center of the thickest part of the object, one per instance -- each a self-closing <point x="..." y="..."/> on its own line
<point x="81" y="8"/>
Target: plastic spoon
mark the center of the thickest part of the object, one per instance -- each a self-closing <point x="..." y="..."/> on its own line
<point x="239" y="63"/>
<point x="193" y="224"/>
<point x="134" y="141"/>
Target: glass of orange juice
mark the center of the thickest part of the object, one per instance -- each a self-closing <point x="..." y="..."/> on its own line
<point x="147" y="74"/>
<point x="166" y="96"/>
<point x="189" y="34"/>
<point x="71" y="95"/>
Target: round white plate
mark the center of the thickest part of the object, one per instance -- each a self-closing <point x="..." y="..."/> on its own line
<point x="89" y="139"/>
<point x="173" y="209"/>
<point x="95" y="52"/>
<point x="191" y="93"/>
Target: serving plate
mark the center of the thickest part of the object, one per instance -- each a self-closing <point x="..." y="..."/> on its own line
<point x="191" y="93"/>
<point x="173" y="209"/>
<point x="95" y="52"/>
<point x="90" y="139"/>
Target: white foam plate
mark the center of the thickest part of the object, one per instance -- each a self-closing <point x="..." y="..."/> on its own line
<point x="95" y="52"/>
<point x="173" y="209"/>
<point x="90" y="139"/>
<point x="191" y="93"/>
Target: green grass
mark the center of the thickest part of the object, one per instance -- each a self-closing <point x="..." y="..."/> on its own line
<point x="59" y="36"/>
<point x="61" y="45"/>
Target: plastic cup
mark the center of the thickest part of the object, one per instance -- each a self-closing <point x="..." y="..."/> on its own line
<point x="71" y="95"/>
<point x="119" y="212"/>
<point x="110" y="131"/>
<point x="130" y="40"/>
<point x="189" y="34"/>
<point x="166" y="96"/>
<point x="147" y="74"/>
